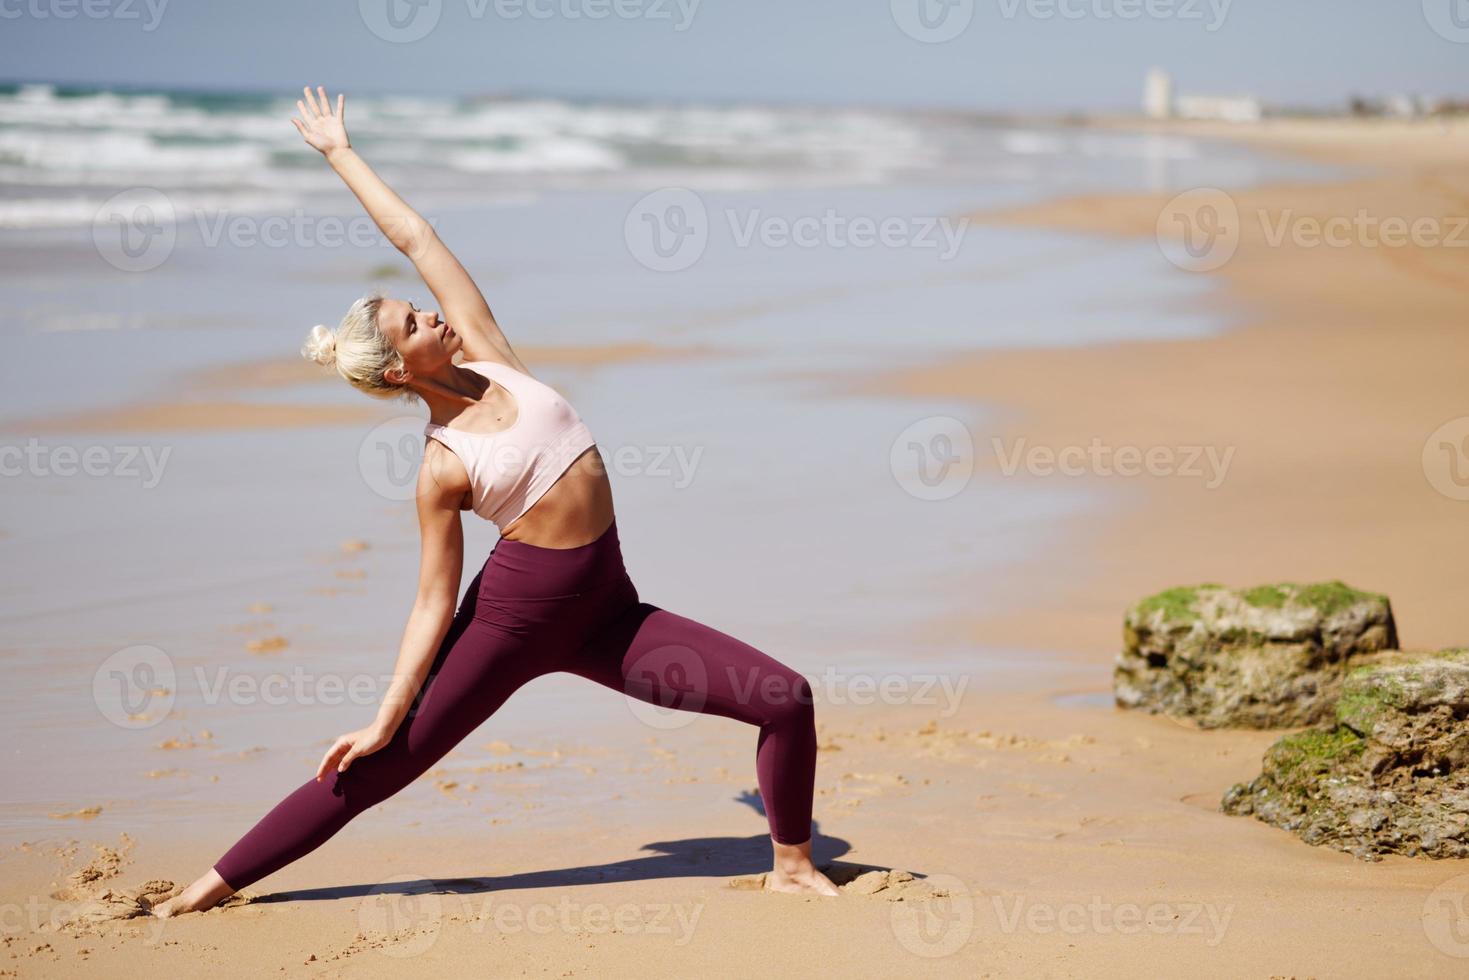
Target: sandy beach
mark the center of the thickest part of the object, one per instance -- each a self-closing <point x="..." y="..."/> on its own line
<point x="1049" y="833"/>
<point x="1345" y="360"/>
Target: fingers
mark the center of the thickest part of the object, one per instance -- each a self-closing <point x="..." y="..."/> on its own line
<point x="311" y="100"/>
<point x="341" y="103"/>
<point x="329" y="761"/>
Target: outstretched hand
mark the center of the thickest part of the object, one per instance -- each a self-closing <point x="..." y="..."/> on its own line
<point x="350" y="746"/>
<point x="321" y="125"/>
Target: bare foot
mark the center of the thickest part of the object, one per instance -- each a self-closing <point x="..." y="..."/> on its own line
<point x="794" y="872"/>
<point x="203" y="894"/>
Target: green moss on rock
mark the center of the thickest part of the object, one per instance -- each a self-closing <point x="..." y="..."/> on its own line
<point x="1271" y="656"/>
<point x="1389" y="776"/>
<point x="1266" y="596"/>
<point x="1176" y="604"/>
<point x="1328" y="597"/>
<point x="1366" y="694"/>
<point x="1315" y="750"/>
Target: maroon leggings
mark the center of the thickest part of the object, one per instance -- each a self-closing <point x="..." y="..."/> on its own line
<point x="532" y="611"/>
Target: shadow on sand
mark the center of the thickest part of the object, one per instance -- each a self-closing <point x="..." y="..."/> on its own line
<point x="691" y="857"/>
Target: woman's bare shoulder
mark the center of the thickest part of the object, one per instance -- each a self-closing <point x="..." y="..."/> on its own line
<point x="443" y="480"/>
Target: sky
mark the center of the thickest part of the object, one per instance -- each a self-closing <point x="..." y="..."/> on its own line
<point x="988" y="55"/>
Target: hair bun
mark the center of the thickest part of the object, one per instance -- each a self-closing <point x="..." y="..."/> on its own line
<point x="320" y="346"/>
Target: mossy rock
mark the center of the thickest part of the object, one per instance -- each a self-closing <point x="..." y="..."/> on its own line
<point x="1389" y="773"/>
<point x="1270" y="656"/>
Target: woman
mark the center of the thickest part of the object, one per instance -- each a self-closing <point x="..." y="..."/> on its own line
<point x="553" y="594"/>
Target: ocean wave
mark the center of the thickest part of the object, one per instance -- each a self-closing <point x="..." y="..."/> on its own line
<point x="54" y="141"/>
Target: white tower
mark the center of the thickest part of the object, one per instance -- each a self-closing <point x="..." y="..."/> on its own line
<point x="1158" y="94"/>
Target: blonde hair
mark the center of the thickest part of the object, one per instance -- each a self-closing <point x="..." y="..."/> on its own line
<point x="359" y="350"/>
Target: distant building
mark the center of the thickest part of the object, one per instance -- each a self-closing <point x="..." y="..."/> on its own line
<point x="1402" y="106"/>
<point x="1161" y="102"/>
<point x="1230" y="108"/>
<point x="1408" y="106"/>
<point x="1158" y="94"/>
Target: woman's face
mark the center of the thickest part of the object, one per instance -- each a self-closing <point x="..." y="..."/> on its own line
<point x="425" y="342"/>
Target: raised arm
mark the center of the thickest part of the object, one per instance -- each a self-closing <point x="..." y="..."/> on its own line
<point x="461" y="304"/>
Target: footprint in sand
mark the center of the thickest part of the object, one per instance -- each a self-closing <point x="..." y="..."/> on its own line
<point x="106" y="864"/>
<point x="892" y="884"/>
<point x="86" y="813"/>
<point x="267" y="644"/>
<point x="186" y="741"/>
<point x="500" y="766"/>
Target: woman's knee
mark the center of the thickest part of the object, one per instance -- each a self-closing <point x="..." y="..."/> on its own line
<point x="788" y="702"/>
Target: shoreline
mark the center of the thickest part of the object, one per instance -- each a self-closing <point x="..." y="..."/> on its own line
<point x="1340" y="493"/>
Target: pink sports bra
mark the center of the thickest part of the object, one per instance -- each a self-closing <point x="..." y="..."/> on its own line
<point x="509" y="470"/>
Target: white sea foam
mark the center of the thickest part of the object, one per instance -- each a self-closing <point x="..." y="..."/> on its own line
<point x="60" y="150"/>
